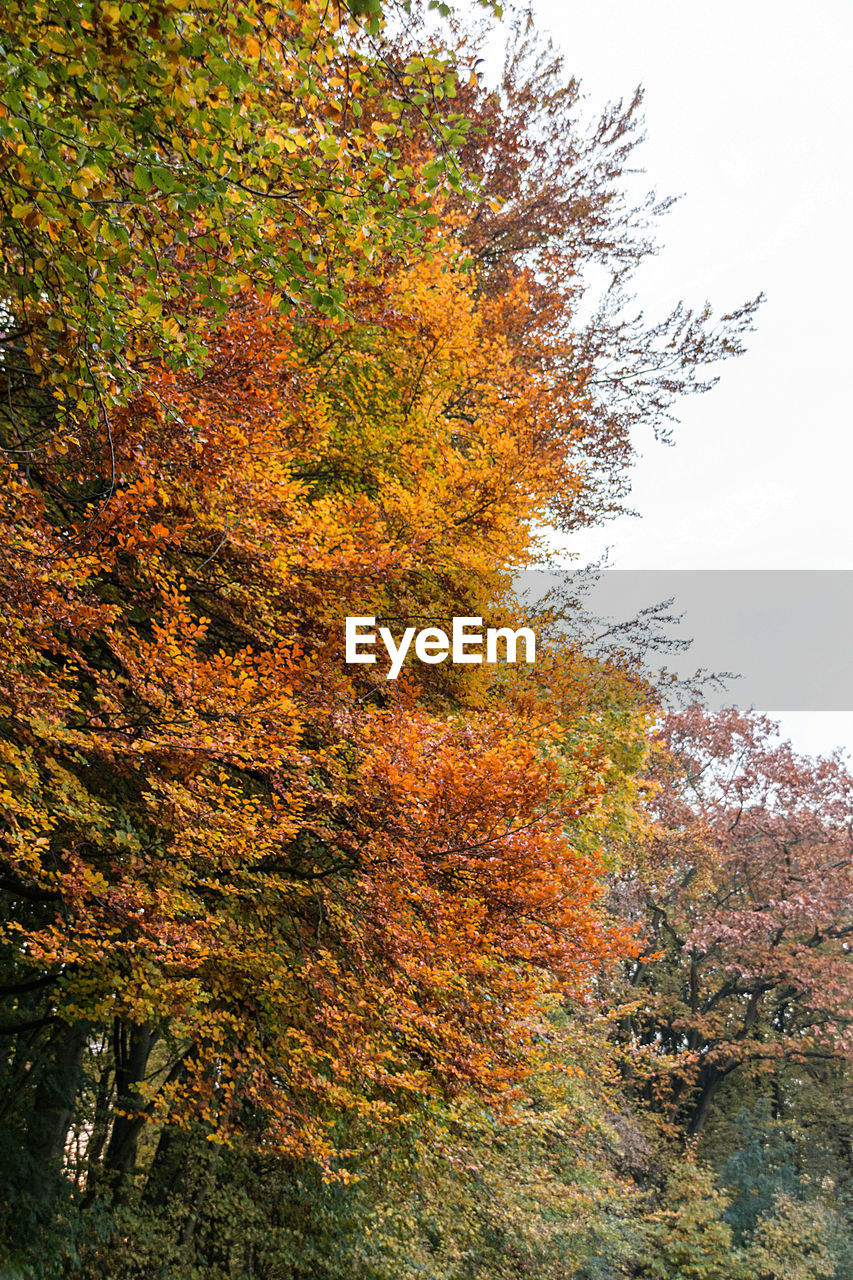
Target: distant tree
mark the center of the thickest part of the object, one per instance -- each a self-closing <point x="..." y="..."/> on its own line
<point x="744" y="888"/>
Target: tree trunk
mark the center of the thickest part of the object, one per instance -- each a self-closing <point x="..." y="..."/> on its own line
<point x="709" y="1083"/>
<point x="53" y="1109"/>
<point x="132" y="1047"/>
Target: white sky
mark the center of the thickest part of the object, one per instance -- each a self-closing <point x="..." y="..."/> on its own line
<point x="749" y="112"/>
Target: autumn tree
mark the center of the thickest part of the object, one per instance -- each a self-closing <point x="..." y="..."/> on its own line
<point x="254" y="899"/>
<point x="744" y="885"/>
<point x="293" y="893"/>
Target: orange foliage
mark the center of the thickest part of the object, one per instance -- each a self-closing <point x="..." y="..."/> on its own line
<point x="317" y="891"/>
<point x="324" y="894"/>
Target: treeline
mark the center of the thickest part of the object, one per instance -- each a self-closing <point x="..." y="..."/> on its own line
<point x="485" y="972"/>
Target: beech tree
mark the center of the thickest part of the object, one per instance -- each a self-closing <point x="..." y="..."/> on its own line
<point x="262" y="362"/>
<point x="745" y="888"/>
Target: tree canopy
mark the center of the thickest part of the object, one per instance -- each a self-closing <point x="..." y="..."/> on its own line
<point x="303" y="971"/>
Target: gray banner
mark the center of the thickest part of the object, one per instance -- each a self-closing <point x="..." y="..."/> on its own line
<point x="781" y="638"/>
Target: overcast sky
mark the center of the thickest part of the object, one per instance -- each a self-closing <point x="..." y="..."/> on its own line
<point x="748" y="111"/>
